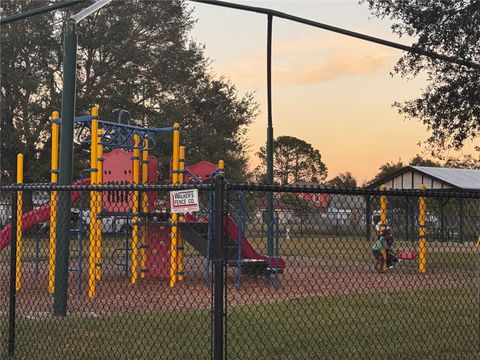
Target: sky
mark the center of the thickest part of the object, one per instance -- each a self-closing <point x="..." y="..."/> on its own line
<point x="332" y="91"/>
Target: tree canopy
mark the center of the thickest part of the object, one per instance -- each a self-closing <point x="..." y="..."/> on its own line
<point x="449" y="105"/>
<point x="294" y="160"/>
<point x="134" y="55"/>
<point x="387" y="169"/>
<point x="343" y="181"/>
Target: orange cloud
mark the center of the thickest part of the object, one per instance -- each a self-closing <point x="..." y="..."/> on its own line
<point x="310" y="60"/>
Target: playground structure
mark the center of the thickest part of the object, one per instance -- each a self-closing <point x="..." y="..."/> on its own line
<point x="156" y="246"/>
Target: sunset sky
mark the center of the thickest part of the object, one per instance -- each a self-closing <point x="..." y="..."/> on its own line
<point x="332" y="91"/>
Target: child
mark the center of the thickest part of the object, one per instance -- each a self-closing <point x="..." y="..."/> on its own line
<point x="392" y="259"/>
<point x="384" y="245"/>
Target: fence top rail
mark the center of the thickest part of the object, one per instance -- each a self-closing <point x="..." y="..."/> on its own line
<point x="103" y="187"/>
<point x="454" y="193"/>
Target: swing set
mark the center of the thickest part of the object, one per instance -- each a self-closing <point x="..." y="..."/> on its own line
<point x="416" y="251"/>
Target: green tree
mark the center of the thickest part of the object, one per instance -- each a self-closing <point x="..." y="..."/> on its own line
<point x="465" y="162"/>
<point x="296" y="202"/>
<point x="30" y="53"/>
<point x="134" y="55"/>
<point x="387" y="169"/>
<point x="420" y="161"/>
<point x="449" y="105"/>
<point x="293" y="160"/>
<point x="343" y="181"/>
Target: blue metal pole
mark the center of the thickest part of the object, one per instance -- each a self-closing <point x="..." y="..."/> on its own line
<point x="37" y="253"/>
<point x="277" y="236"/>
<point x="211" y="223"/>
<point x="80" y="238"/>
<point x="241" y="235"/>
<point x="239" y="250"/>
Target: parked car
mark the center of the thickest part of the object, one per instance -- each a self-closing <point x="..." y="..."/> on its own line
<point x="110" y="224"/>
<point x="5" y="215"/>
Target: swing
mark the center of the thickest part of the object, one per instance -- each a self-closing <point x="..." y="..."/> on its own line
<point x="407" y="254"/>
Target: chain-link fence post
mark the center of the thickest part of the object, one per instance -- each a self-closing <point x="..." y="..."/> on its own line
<point x="13" y="278"/>
<point x="218" y="263"/>
<point x="368" y="217"/>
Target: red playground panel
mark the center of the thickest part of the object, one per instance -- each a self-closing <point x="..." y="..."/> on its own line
<point x="152" y="179"/>
<point x="203" y="170"/>
<point x="117" y="169"/>
<point x="158" y="251"/>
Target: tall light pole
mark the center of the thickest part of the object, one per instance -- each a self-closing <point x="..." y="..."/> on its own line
<point x="66" y="157"/>
<point x="269" y="137"/>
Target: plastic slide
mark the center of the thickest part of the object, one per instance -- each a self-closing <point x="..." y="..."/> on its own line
<point x="34" y="217"/>
<point x="248" y="252"/>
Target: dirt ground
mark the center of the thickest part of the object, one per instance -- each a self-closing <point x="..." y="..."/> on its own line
<point x="303" y="277"/>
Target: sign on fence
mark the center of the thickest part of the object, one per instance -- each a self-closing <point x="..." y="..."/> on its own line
<point x="183" y="201"/>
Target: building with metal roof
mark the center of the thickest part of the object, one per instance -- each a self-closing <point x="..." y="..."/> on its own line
<point x="412" y="177"/>
<point x="448" y="219"/>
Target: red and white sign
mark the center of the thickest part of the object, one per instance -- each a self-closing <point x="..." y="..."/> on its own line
<point x="184" y="201"/>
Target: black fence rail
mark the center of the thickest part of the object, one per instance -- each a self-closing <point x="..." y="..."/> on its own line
<point x="321" y="273"/>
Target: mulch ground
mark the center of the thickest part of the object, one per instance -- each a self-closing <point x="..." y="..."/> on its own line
<point x="304" y="277"/>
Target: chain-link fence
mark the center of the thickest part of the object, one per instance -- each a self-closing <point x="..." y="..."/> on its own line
<point x="354" y="274"/>
<point x="301" y="273"/>
<point x="135" y="289"/>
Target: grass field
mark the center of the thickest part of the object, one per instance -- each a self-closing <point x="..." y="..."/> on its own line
<point x="422" y="324"/>
<point x="451" y="256"/>
<point x="409" y="324"/>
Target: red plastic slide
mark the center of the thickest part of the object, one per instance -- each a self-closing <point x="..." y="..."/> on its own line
<point x="248" y="252"/>
<point x="34" y="217"/>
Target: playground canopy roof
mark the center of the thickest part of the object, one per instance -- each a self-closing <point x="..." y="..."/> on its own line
<point x="411" y="177"/>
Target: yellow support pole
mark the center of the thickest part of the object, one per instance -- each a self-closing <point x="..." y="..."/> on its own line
<point x="174" y="217"/>
<point x="18" y="280"/>
<point x="92" y="256"/>
<point x="98" y="246"/>
<point x="422" y="232"/>
<point x="383" y="222"/>
<point x="143" y="254"/>
<point x="180" y="242"/>
<point x="135" y="207"/>
<point x="53" y="203"/>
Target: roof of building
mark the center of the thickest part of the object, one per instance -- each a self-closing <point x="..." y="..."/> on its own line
<point x="466" y="179"/>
